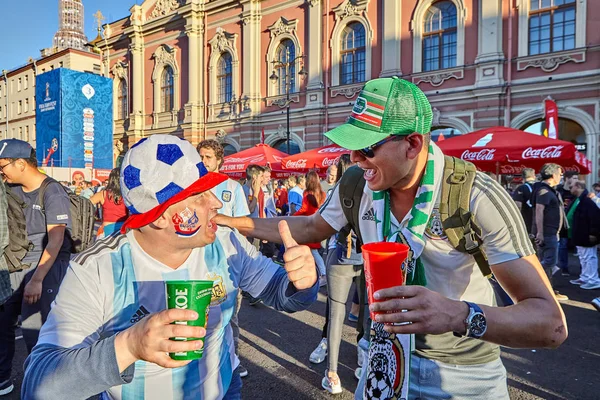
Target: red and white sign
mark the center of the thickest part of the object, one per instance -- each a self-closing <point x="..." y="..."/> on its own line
<point x="317" y="159"/>
<point x="510" y="150"/>
<point x="235" y="165"/>
<point x="551" y="118"/>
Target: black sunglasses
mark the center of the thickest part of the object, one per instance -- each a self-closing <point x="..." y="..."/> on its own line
<point x="369" y="152"/>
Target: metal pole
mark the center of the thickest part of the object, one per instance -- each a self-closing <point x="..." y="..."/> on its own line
<point x="287" y="90"/>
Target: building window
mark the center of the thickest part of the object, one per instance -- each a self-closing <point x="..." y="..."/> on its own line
<point x="19" y="83"/>
<point x="286" y="52"/>
<point x="1" y="114"/>
<point x="353" y="57"/>
<point x="21" y="132"/>
<point x="551" y="26"/>
<point x="439" y="36"/>
<point x="27" y="134"/>
<point x="122" y="107"/>
<point x="281" y="145"/>
<point x="166" y="90"/>
<point x="224" y="75"/>
<point x="26" y="105"/>
<point x="96" y="69"/>
<point x="19" y="106"/>
<point x="26" y="82"/>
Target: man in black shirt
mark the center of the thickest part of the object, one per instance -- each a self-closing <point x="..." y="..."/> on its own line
<point x="549" y="219"/>
<point x="48" y="228"/>
<point x="523" y="197"/>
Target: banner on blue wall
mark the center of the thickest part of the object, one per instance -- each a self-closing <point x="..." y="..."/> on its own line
<point x="74" y="119"/>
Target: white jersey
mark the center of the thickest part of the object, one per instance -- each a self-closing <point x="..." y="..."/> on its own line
<point x="231" y="194"/>
<point x="112" y="287"/>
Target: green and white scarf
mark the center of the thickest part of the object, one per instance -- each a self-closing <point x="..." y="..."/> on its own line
<point x="413" y="226"/>
<point x="390" y="378"/>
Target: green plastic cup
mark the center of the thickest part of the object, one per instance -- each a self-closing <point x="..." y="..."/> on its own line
<point x="189" y="295"/>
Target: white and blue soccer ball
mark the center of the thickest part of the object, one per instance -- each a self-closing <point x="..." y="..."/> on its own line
<point x="157" y="168"/>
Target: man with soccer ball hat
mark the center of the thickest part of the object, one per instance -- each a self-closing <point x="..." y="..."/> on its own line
<point x="109" y="331"/>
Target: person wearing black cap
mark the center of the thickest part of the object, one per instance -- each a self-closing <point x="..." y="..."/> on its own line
<point x="48" y="228"/>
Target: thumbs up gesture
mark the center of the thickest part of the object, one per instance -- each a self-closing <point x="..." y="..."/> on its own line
<point x="299" y="262"/>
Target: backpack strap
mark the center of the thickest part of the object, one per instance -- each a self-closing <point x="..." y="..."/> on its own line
<point x="458" y="222"/>
<point x="352" y="185"/>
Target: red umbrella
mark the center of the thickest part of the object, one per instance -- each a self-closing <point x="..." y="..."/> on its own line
<point x="319" y="159"/>
<point x="508" y="151"/>
<point x="235" y="165"/>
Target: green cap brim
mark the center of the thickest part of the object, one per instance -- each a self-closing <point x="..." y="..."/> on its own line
<point x="352" y="137"/>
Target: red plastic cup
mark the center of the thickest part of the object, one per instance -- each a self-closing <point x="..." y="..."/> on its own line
<point x="383" y="266"/>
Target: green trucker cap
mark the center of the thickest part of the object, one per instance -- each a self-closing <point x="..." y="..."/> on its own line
<point x="384" y="107"/>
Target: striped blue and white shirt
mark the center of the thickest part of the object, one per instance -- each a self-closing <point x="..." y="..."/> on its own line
<point x="115" y="284"/>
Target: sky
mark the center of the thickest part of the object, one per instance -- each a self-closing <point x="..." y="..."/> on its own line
<point x="27" y="26"/>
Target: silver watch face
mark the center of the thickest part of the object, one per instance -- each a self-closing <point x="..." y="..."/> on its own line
<point x="477" y="325"/>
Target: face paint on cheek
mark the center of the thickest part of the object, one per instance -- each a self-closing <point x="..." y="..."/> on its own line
<point x="186" y="223"/>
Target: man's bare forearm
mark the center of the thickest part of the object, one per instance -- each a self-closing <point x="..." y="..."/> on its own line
<point x="305" y="229"/>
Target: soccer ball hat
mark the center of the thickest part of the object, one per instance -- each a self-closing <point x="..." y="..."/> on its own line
<point x="159" y="171"/>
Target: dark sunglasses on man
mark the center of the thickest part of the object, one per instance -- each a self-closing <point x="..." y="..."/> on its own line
<point x="369" y="152"/>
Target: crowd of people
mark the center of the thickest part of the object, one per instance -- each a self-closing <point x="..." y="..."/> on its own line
<point x="168" y="214"/>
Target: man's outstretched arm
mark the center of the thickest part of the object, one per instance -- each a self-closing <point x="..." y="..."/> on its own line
<point x="305" y="229"/>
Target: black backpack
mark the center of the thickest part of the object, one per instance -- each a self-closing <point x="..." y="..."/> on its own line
<point x="19" y="244"/>
<point x="82" y="212"/>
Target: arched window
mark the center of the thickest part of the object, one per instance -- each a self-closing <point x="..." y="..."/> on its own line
<point x="568" y="130"/>
<point x="439" y="36"/>
<point x="166" y="90"/>
<point x="286" y="52"/>
<point x="122" y="105"/>
<point x="281" y="145"/>
<point x="352" y="55"/>
<point x="224" y="87"/>
<point x="551" y="26"/>
<point x="228" y="149"/>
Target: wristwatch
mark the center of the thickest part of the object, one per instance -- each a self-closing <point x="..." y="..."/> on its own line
<point x="475" y="322"/>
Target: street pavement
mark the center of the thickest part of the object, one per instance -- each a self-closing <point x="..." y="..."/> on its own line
<point x="275" y="347"/>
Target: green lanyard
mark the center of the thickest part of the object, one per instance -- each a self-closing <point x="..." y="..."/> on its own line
<point x="387" y="218"/>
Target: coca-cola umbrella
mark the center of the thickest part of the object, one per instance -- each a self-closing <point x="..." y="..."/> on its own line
<point x="507" y="151"/>
<point x="235" y="165"/>
<point x="316" y="159"/>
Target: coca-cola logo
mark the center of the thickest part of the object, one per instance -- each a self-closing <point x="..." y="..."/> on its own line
<point x="328" y="162"/>
<point x="481" y="155"/>
<point x="332" y="150"/>
<point x="548" y="152"/>
<point x="295" y="164"/>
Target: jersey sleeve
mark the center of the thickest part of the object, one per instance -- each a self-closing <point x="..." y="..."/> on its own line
<point x="503" y="231"/>
<point x="71" y="356"/>
<point x="332" y="211"/>
<point x="252" y="270"/>
<point x="56" y="205"/>
<point x="240" y="202"/>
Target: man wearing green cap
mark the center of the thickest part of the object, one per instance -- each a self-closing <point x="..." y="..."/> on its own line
<point x="447" y="305"/>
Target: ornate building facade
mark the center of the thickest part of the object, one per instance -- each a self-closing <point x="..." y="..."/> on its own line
<point x="70" y="32"/>
<point x="229" y="69"/>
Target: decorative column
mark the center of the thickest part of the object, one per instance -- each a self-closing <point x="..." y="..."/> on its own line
<point x="390" y="56"/>
<point x="194" y="109"/>
<point x="137" y="56"/>
<point x="251" y="17"/>
<point x="314" y="60"/>
<point x="490" y="57"/>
